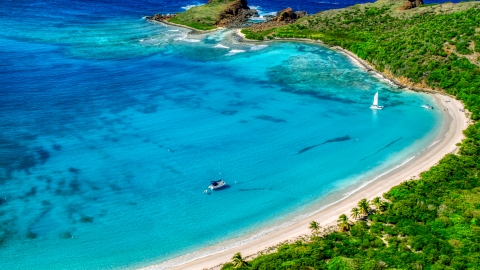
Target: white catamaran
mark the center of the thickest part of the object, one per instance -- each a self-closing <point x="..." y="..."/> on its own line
<point x="375" y="103"/>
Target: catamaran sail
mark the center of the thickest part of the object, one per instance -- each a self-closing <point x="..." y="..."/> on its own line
<point x="375" y="100"/>
<point x="375" y="103"/>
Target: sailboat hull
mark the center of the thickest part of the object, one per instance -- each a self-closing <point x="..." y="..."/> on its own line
<point x="376" y="107"/>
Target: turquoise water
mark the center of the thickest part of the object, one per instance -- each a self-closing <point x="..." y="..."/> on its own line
<point x="113" y="128"/>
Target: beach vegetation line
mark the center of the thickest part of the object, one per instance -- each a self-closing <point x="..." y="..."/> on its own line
<point x="429" y="223"/>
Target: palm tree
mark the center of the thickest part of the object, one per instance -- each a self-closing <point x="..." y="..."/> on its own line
<point x="378" y="203"/>
<point x="315" y="227"/>
<point x="364" y="207"/>
<point x="344" y="223"/>
<point x="238" y="261"/>
<point x="355" y="213"/>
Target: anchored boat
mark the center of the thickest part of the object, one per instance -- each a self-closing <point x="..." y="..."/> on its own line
<point x="427" y="106"/>
<point x="216" y="184"/>
<point x="375" y="103"/>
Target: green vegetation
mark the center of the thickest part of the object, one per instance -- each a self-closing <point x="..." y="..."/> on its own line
<point x="428" y="48"/>
<point x="202" y="17"/>
<point x="430" y="223"/>
<point x="315" y="227"/>
<point x="238" y="262"/>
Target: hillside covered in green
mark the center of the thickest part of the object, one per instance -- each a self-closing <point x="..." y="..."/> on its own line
<point x="435" y="45"/>
<point x="213" y="14"/>
<point x="430" y="223"/>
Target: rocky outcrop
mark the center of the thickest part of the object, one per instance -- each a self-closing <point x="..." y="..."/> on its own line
<point x="409" y="4"/>
<point x="235" y="14"/>
<point x="160" y="17"/>
<point x="283" y="17"/>
<point x="287" y="15"/>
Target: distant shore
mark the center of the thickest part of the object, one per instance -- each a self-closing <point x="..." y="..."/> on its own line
<point x="359" y="61"/>
<point x="455" y="121"/>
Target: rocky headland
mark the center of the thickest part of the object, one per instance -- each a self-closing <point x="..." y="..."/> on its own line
<point x="283" y="17"/>
<point x="214" y="14"/>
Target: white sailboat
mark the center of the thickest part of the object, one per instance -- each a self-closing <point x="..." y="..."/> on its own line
<point x="375" y="103"/>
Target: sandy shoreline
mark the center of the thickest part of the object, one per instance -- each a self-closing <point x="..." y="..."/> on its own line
<point x="445" y="142"/>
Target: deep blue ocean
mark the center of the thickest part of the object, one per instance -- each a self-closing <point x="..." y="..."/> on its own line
<point x="112" y="128"/>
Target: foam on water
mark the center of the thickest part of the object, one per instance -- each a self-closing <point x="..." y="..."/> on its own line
<point x="233" y="52"/>
<point x="220" y="46"/>
<point x="258" y="47"/>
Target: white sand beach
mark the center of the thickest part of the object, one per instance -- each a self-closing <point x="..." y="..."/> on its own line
<point x="455" y="121"/>
<point x="451" y="133"/>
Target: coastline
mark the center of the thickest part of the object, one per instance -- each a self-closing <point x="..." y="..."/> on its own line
<point x="357" y="60"/>
<point x="444" y="143"/>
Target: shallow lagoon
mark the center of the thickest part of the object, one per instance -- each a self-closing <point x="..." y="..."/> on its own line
<point x="113" y="130"/>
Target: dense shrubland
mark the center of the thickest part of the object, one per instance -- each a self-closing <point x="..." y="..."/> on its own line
<point x="430" y="223"/>
<point x="434" y="49"/>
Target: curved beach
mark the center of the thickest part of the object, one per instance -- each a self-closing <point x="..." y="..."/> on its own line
<point x="455" y="121"/>
<point x="451" y="133"/>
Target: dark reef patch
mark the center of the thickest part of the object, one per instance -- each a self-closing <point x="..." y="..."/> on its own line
<point x="32" y="192"/>
<point x="75" y="186"/>
<point x="393" y="103"/>
<point x="26" y="163"/>
<point x="57" y="147"/>
<point x="192" y="100"/>
<point x="270" y="119"/>
<point x="43" y="155"/>
<point x="318" y="95"/>
<point x="386" y="146"/>
<point x="7" y="229"/>
<point x="251" y="189"/>
<point x="241" y="103"/>
<point x="29" y="137"/>
<point x="115" y="187"/>
<point x="86" y="219"/>
<point x="149" y="109"/>
<point x="15" y="156"/>
<point x="338" y="139"/>
<point x="229" y="112"/>
<point x="66" y="235"/>
<point x="74" y="170"/>
<point x="31" y="235"/>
